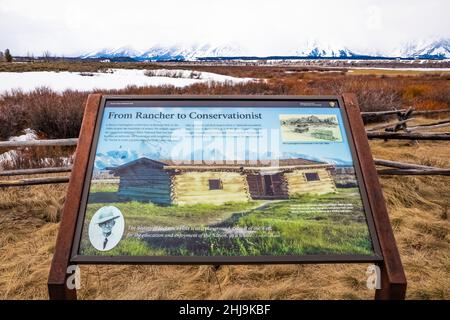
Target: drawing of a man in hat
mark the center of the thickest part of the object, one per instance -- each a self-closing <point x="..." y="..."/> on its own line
<point x="105" y="219"/>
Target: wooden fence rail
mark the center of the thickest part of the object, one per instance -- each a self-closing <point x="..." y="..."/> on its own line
<point x="398" y="111"/>
<point x="39" y="143"/>
<point x="402" y="168"/>
<point x="432" y="125"/>
<point x="389" y="125"/>
<point x="415" y="172"/>
<point x="401" y="165"/>
<point x="408" y="136"/>
<point x="425" y="112"/>
<point x="393" y="167"/>
<point x="23" y="172"/>
<point x="371" y="134"/>
<point x="33" y="181"/>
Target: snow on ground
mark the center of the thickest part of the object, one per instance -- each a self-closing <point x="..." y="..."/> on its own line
<point x="113" y="79"/>
<point x="11" y="156"/>
<point x="28" y="135"/>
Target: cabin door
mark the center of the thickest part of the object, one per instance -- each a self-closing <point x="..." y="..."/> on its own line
<point x="268" y="185"/>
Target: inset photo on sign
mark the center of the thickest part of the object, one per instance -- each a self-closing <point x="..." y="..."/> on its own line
<point x="310" y="128"/>
<point x="223" y="182"/>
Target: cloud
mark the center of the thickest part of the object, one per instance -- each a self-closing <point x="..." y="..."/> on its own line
<point x="262" y="26"/>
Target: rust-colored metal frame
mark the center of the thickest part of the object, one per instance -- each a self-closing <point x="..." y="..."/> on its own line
<point x="393" y="277"/>
<point x="57" y="288"/>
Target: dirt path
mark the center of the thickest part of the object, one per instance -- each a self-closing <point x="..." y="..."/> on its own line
<point x="227" y="223"/>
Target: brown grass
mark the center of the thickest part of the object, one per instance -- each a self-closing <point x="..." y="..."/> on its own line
<point x="418" y="206"/>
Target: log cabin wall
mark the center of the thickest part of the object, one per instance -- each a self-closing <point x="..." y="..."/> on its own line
<point x="297" y="183"/>
<point x="191" y="187"/>
<point x="153" y="181"/>
<point x="146" y="184"/>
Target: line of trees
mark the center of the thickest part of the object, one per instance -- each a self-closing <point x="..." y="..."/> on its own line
<point x="6" y="56"/>
<point x="47" y="56"/>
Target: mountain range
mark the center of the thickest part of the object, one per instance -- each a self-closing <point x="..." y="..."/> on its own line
<point x="114" y="158"/>
<point x="429" y="49"/>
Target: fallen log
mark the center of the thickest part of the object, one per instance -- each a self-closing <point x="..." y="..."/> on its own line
<point x="35" y="171"/>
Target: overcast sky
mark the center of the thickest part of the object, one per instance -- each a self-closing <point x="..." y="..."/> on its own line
<point x="72" y="28"/>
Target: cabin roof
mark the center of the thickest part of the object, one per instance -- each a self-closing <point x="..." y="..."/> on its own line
<point x="246" y="165"/>
<point x="141" y="161"/>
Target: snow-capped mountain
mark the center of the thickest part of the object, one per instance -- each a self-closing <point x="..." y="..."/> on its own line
<point x="193" y="52"/>
<point x="315" y="49"/>
<point x="424" y="49"/>
<point x="160" y="53"/>
<point x="331" y="160"/>
<point x="432" y="48"/>
<point x="114" y="53"/>
<point x="114" y="158"/>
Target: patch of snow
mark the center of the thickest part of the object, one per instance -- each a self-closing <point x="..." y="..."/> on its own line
<point x="118" y="79"/>
<point x="11" y="156"/>
<point x="8" y="157"/>
<point x="29" y="135"/>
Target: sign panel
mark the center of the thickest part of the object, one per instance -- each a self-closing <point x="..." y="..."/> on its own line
<point x="223" y="181"/>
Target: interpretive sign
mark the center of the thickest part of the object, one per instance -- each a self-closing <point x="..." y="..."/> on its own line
<point x="221" y="180"/>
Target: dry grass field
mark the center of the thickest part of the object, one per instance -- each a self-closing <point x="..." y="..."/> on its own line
<point x="419" y="206"/>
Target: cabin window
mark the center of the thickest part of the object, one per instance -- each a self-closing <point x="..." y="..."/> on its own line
<point x="215" y="184"/>
<point x="312" y="176"/>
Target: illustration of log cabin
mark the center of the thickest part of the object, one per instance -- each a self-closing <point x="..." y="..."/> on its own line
<point x="164" y="182"/>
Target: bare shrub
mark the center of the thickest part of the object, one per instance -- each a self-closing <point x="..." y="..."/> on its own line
<point x="165" y="73"/>
<point x="51" y="114"/>
<point x="59" y="115"/>
<point x="13" y="117"/>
